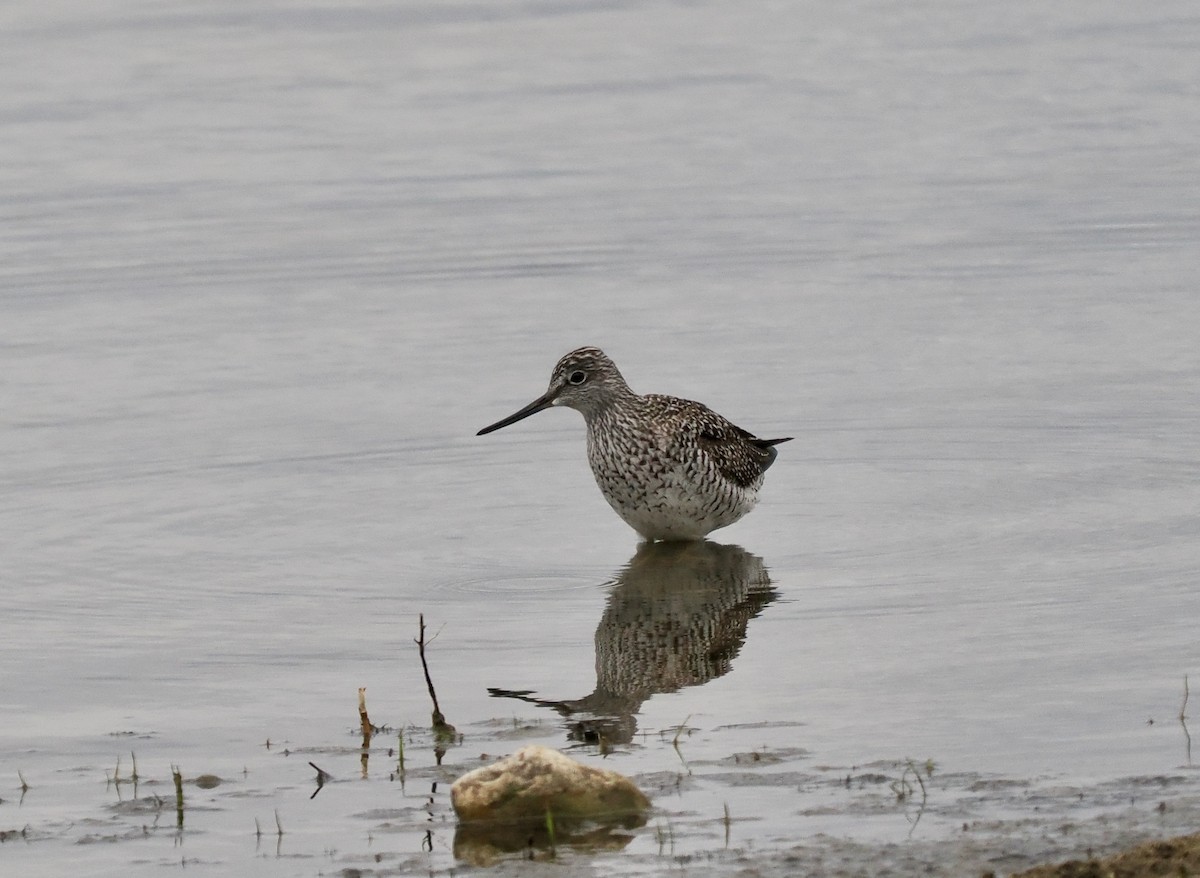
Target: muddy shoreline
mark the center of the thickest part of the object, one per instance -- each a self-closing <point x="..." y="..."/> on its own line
<point x="770" y="811"/>
<point x="1150" y="835"/>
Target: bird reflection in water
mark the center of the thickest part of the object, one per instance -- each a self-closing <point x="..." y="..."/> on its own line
<point x="676" y="617"/>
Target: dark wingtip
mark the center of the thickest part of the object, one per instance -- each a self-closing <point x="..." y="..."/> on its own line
<point x="767" y="443"/>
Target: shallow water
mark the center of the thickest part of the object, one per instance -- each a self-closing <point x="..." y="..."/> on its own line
<point x="265" y="270"/>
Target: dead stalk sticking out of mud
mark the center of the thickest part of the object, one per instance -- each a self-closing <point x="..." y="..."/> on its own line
<point x="177" y="776"/>
<point x="364" y="720"/>
<point x="441" y="728"/>
<point x="551" y="834"/>
<point x="367" y="729"/>
<point x="683" y="727"/>
<point x="1183" y="720"/>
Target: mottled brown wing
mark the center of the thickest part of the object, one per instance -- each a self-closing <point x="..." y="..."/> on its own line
<point x="740" y="456"/>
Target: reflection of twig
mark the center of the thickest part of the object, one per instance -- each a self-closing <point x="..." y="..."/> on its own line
<point x="665" y="837"/>
<point x="322" y="776"/>
<point x="1183" y="720"/>
<point x="904" y="790"/>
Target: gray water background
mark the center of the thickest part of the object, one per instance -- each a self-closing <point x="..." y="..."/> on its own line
<point x="266" y="268"/>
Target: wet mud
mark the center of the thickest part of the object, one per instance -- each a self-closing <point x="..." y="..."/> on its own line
<point x="768" y="811"/>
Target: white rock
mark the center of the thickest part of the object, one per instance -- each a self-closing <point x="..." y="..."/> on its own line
<point x="534" y="780"/>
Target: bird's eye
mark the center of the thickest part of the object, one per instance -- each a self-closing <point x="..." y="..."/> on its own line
<point x="577" y="377"/>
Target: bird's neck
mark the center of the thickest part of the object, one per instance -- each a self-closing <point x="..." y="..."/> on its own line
<point x="622" y="405"/>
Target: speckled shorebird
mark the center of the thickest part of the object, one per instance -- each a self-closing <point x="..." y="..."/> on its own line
<point x="673" y="469"/>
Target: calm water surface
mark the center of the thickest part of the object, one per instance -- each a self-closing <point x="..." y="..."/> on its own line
<point x="265" y="269"/>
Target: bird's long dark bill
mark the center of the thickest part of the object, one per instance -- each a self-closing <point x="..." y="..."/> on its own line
<point x="542" y="402"/>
